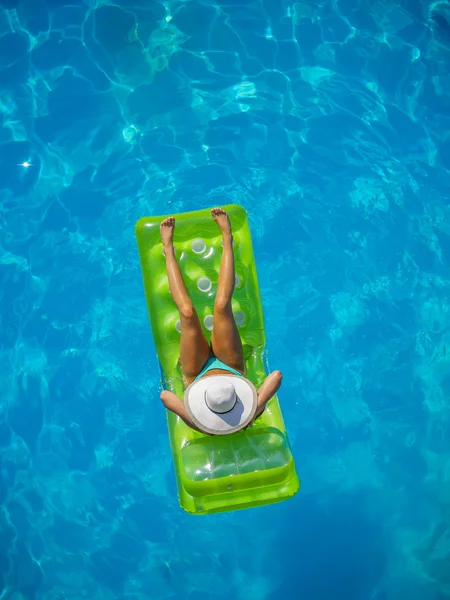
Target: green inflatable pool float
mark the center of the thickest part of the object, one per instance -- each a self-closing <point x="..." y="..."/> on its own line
<point x="240" y="470"/>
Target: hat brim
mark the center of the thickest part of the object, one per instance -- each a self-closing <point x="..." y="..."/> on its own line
<point x="220" y="424"/>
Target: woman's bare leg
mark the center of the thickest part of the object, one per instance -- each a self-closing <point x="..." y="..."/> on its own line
<point x="194" y="348"/>
<point x="225" y="341"/>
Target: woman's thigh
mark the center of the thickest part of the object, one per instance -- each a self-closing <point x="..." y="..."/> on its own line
<point x="194" y="348"/>
<point x="226" y="342"/>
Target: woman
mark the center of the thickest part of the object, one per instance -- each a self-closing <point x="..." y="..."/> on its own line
<point x="218" y="398"/>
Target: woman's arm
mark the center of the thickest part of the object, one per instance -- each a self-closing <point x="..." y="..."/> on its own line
<point x="173" y="403"/>
<point x="268" y="389"/>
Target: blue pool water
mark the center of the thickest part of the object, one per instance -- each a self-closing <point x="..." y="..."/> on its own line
<point x="329" y="122"/>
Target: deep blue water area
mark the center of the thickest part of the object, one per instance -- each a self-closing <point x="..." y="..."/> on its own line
<point x="329" y="121"/>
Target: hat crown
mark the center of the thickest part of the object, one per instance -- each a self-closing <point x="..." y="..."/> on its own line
<point x="220" y="397"/>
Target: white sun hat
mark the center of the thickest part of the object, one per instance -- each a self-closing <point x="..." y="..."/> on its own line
<point x="221" y="404"/>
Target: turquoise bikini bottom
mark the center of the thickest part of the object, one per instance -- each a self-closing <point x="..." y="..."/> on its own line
<point x="215" y="363"/>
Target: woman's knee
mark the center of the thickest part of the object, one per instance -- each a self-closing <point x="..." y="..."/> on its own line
<point x="187" y="311"/>
<point x="222" y="305"/>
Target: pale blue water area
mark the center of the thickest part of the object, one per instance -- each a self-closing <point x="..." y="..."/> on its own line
<point x="329" y="122"/>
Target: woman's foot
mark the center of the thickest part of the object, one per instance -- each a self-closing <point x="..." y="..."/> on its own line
<point x="166" y="229"/>
<point x="222" y="220"/>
